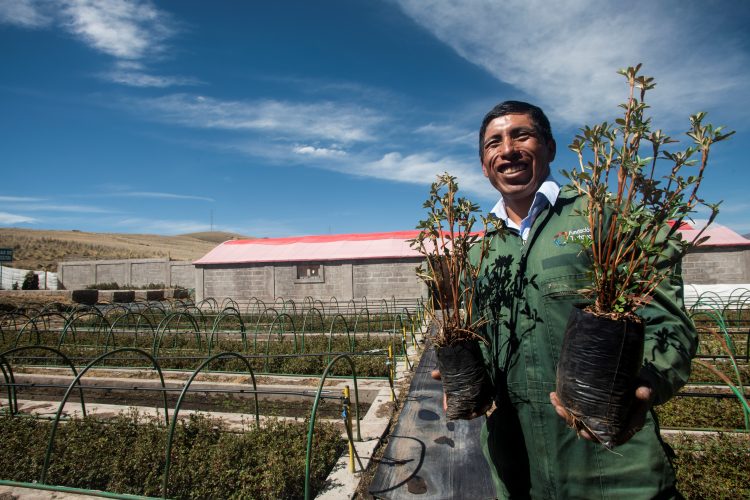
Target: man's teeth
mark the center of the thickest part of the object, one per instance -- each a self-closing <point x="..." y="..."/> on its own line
<point x="511" y="169"/>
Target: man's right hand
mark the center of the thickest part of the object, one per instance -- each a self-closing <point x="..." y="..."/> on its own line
<point x="436" y="375"/>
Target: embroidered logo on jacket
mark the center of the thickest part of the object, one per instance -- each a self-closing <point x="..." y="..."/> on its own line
<point x="575" y="235"/>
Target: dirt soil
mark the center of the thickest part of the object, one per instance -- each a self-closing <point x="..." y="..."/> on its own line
<point x="43" y="249"/>
<point x="228" y="403"/>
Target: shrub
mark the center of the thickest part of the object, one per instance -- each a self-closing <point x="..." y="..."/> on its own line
<point x="30" y="281"/>
<point x="711" y="466"/>
<point x="126" y="455"/>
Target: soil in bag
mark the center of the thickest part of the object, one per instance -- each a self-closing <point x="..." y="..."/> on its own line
<point x="597" y="374"/>
<point x="467" y="389"/>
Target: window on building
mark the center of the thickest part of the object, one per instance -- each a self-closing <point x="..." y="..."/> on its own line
<point x="310" y="273"/>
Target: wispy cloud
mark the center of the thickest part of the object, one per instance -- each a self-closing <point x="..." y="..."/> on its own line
<point x="123" y="29"/>
<point x="447" y="133"/>
<point x="421" y="168"/>
<point x="332" y="121"/>
<point x="565" y="57"/>
<point x="8" y="218"/>
<point x="56" y="207"/>
<point x="318" y="152"/>
<point x="130" y="31"/>
<point x="163" y="196"/>
<point x="161" y="226"/>
<point x="15" y="199"/>
<point x="141" y="79"/>
<point x="24" y="13"/>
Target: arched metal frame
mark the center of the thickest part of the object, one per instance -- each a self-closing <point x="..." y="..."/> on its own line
<point x="10" y="379"/>
<point x="76" y="381"/>
<point x="172" y="425"/>
<point x="314" y="412"/>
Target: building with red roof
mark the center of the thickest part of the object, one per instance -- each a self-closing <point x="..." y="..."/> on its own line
<point x="382" y="265"/>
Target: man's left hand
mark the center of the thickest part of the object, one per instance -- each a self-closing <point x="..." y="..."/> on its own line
<point x="644" y="398"/>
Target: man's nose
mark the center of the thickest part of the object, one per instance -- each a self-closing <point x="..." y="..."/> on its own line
<point x="507" y="147"/>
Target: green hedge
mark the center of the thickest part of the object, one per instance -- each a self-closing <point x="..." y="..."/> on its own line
<point x="712" y="466"/>
<point x="126" y="455"/>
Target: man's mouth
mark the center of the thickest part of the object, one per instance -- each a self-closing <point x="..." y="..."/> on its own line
<point x="512" y="168"/>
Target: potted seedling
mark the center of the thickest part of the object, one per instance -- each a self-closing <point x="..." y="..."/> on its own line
<point x="638" y="195"/>
<point x="445" y="238"/>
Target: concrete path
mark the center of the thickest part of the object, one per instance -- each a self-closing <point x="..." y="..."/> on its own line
<point x="428" y="456"/>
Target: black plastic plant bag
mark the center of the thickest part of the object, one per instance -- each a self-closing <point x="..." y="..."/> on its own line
<point x="467" y="389"/>
<point x="597" y="374"/>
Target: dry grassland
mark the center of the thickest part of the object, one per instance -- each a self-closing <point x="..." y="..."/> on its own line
<point x="43" y="249"/>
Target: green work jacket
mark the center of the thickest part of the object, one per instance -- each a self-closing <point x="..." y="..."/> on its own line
<point x="526" y="291"/>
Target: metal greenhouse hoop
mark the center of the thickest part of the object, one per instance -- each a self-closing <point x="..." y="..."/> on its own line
<point x="10" y="379"/>
<point x="356" y="321"/>
<point x="161" y="330"/>
<point x="56" y="421"/>
<point x="139" y="318"/>
<point x="175" y="414"/>
<point x="330" y="335"/>
<point x="13" y="315"/>
<point x="306" y="314"/>
<point x="314" y="412"/>
<point x="281" y="336"/>
<point x="229" y="312"/>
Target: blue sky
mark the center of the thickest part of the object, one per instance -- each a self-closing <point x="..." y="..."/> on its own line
<point x="297" y="117"/>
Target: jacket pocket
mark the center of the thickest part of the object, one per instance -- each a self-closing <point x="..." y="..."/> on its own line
<point x="559" y="296"/>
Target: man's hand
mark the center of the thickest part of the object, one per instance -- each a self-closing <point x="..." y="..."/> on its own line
<point x="436" y="375"/>
<point x="644" y="398"/>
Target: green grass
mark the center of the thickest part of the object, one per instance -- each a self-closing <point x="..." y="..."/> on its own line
<point x="714" y="466"/>
<point x="127" y="455"/>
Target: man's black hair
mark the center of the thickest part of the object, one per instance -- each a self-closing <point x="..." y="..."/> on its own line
<point x="541" y="123"/>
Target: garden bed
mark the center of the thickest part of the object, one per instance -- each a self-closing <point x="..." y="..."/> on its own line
<point x="127" y="455"/>
<point x="712" y="465"/>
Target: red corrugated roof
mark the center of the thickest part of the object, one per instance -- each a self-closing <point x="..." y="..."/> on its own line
<point x="718" y="235"/>
<point x="393" y="245"/>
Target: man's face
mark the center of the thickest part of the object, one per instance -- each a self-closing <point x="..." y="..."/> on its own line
<point x="515" y="157"/>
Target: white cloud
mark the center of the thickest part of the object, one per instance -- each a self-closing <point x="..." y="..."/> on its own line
<point x="125" y="29"/>
<point x="128" y="30"/>
<point x="8" y="218"/>
<point x="320" y="152"/>
<point x="565" y="56"/>
<point x="321" y="120"/>
<point x="14" y="199"/>
<point x="422" y="168"/>
<point x="161" y="226"/>
<point x="26" y="13"/>
<point x="164" y="196"/>
<point x="448" y="133"/>
<point x="141" y="79"/>
<point x="54" y="207"/>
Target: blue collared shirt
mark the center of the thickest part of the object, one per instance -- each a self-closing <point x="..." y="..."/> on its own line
<point x="546" y="195"/>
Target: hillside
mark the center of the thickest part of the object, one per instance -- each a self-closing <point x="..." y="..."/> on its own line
<point x="43" y="249"/>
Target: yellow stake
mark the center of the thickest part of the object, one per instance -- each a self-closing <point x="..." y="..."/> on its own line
<point x="348" y="424"/>
<point x="391" y="371"/>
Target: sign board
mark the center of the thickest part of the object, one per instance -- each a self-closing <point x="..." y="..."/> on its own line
<point x="6" y="254"/>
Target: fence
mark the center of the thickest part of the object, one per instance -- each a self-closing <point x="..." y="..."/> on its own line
<point x="10" y="276"/>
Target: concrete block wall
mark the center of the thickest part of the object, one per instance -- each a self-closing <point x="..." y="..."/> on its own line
<point x="237" y="281"/>
<point x="74" y="275"/>
<point x="345" y="280"/>
<point x="336" y="282"/>
<point x="386" y="278"/>
<point x="717" y="265"/>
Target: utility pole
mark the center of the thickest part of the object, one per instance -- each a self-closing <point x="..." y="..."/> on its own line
<point x="212" y="219"/>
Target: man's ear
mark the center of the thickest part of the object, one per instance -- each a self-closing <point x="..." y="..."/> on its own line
<point x="484" y="170"/>
<point x="551" y="149"/>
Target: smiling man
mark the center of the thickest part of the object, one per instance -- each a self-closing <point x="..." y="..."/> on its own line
<point x="528" y="285"/>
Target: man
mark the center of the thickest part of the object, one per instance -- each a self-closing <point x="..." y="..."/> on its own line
<point x="529" y="283"/>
